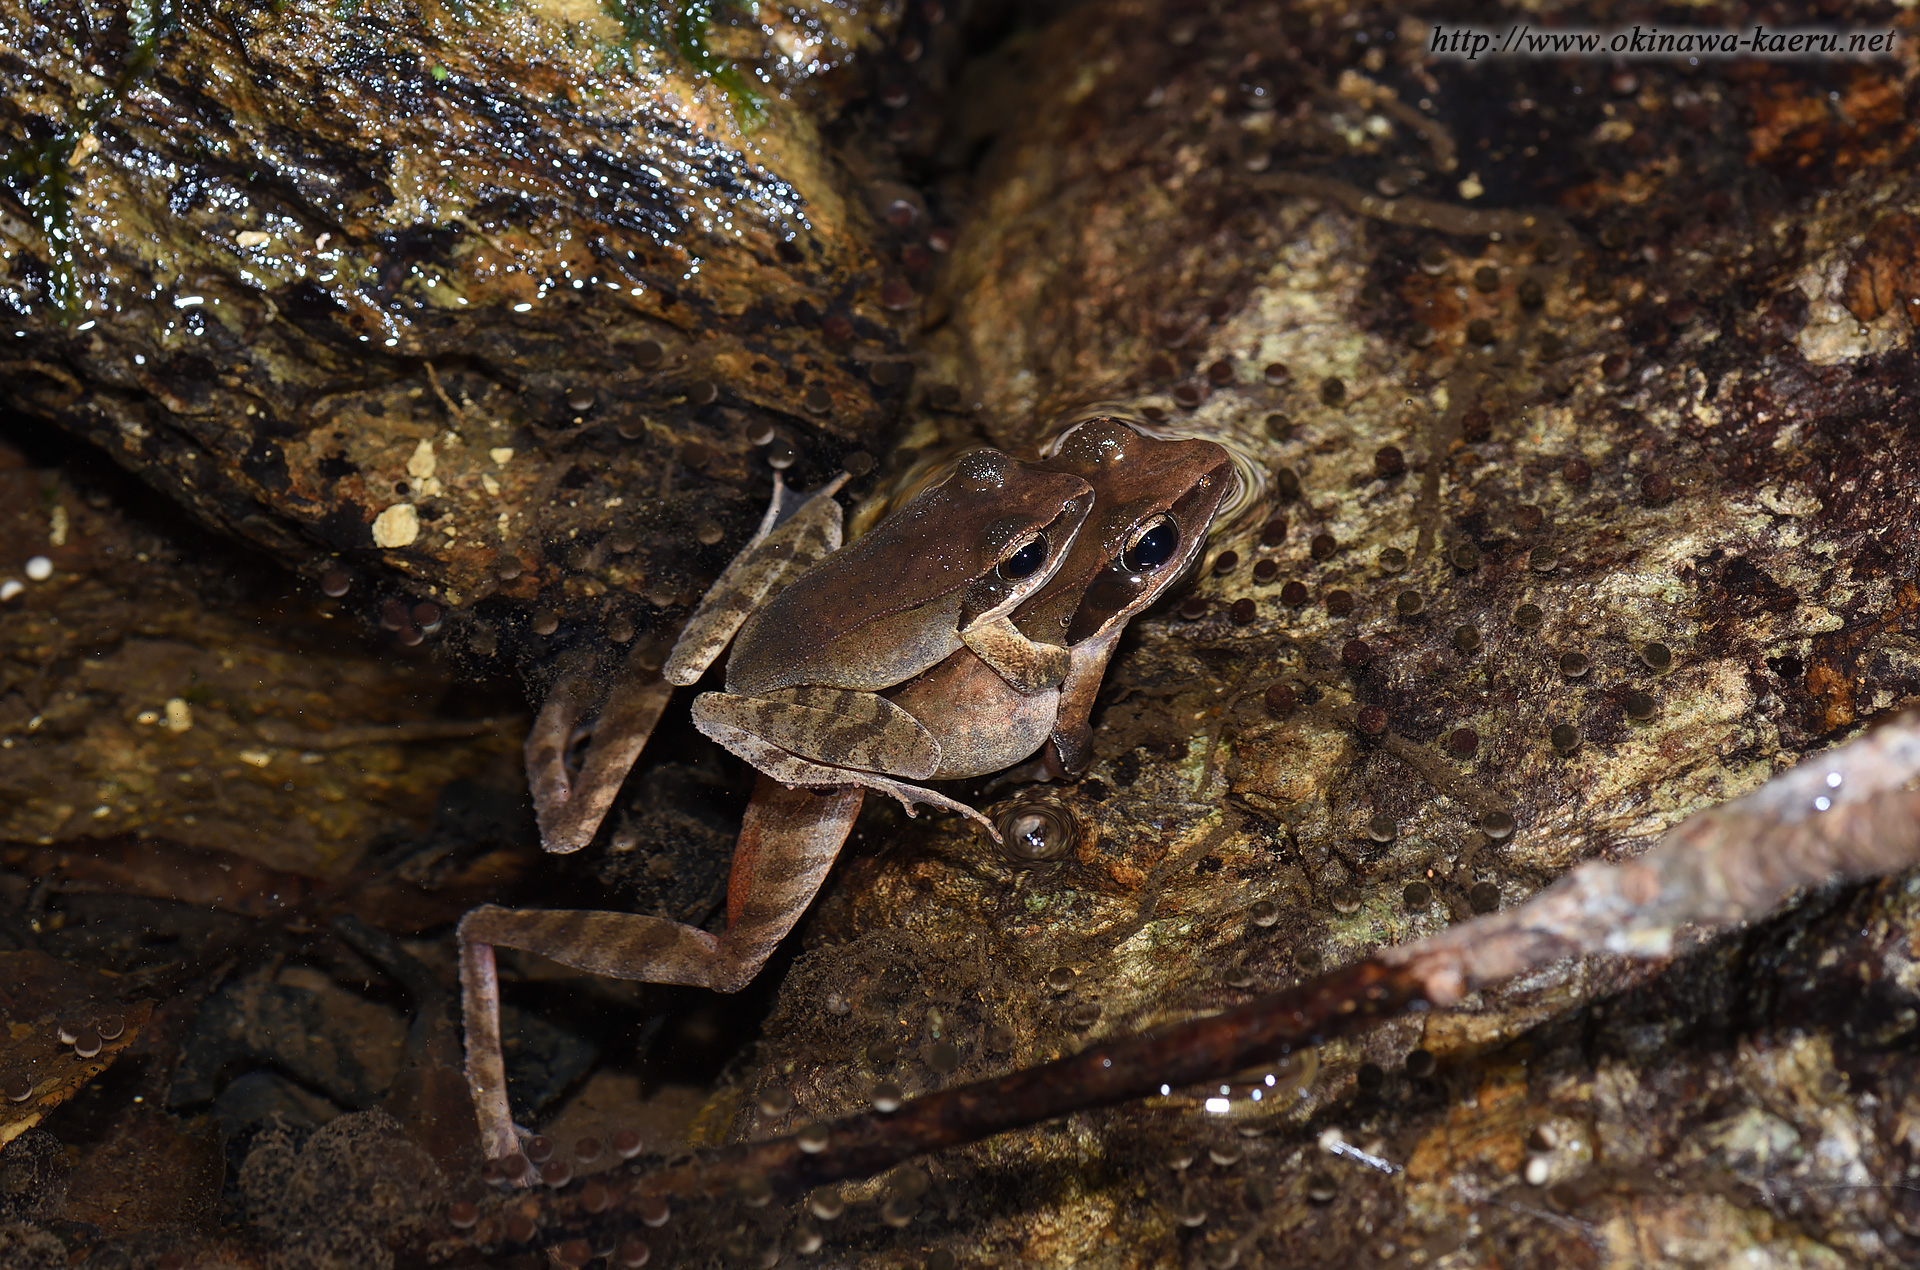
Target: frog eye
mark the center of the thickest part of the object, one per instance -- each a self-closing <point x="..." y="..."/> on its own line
<point x="1024" y="562"/>
<point x="1152" y="545"/>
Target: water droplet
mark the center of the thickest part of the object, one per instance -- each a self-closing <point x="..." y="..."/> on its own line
<point x="940" y="1259"/>
<point x="1307" y="959"/>
<point x="632" y="1253"/>
<point x="626" y="1144"/>
<point x="1226" y="562"/>
<point x="653" y="1211"/>
<point x="1265" y="571"/>
<point x="1355" y="654"/>
<point x="1577" y="471"/>
<point x="1381" y="828"/>
<point x="1276" y="373"/>
<point x="780" y="456"/>
<point x="1320" y="1189"/>
<point x="883" y="1054"/>
<point x="1264" y="913"/>
<point x="1323" y="546"/>
<point x="1193" y="608"/>
<point x="1463" y="741"/>
<point x="335" y="583"/>
<point x="1658" y="657"/>
<point x="556" y="1173"/>
<point x="898" y="1211"/>
<point x="1344" y="901"/>
<point x="1480" y="332"/>
<point x="1486" y="279"/>
<point x="1221" y="372"/>
<point x="1575" y="665"/>
<point x="1466" y="639"/>
<point x="1393" y="560"/>
<point x="812" y="1139"/>
<point x="1388" y="462"/>
<point x="1339" y="603"/>
<point x="595" y="1197"/>
<point x="857" y="463"/>
<point x="519" y="1228"/>
<point x="546" y="622"/>
<point x="943" y="1056"/>
<point x="1543" y="559"/>
<point x="753" y="1190"/>
<point x="1280" y="700"/>
<point x="1642" y="706"/>
<point x="1565" y="738"/>
<point x="1294" y="594"/>
<point x="1060" y="978"/>
<point x="574" y="1252"/>
<point x="539" y="1149"/>
<point x="1273" y="533"/>
<point x="887" y="1097"/>
<point x="1476" y="425"/>
<point x="807" y="1240"/>
<point x="1409" y="604"/>
<point x="18" y="1088"/>
<point x="1191" y="1213"/>
<point x="1420" y="1063"/>
<point x="1528" y="617"/>
<point x="1465" y="557"/>
<point x="1036" y="832"/>
<point x="1238" y="977"/>
<point x="1417" y="896"/>
<point x="462" y="1215"/>
<point x="1083" y="1016"/>
<point x="1484" y="897"/>
<point x="1497" y="825"/>
<point x="1370" y="720"/>
<point x="1225" y="1155"/>
<point x="1528" y="519"/>
<point x="1616" y="366"/>
<point x="775" y="1100"/>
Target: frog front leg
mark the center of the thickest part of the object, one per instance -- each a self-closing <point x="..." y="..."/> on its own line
<point x="788" y="842"/>
<point x="1027" y="666"/>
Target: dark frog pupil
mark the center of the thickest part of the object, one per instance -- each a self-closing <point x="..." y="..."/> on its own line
<point x="1022" y="563"/>
<point x="1152" y="548"/>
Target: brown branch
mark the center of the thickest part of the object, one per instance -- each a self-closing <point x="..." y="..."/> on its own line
<point x="1844" y="815"/>
<point x="1420" y="213"/>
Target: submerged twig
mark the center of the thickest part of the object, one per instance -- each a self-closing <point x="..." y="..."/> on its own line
<point x="1419" y="213"/>
<point x="1845" y="815"/>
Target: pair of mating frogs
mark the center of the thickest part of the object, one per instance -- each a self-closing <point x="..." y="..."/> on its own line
<point x="964" y="634"/>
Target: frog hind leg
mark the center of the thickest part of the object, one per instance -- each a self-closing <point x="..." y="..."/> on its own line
<point x="791" y="539"/>
<point x="834" y="727"/>
<point x="788" y="842"/>
<point x="1028" y="667"/>
<point x="568" y="806"/>
<point x="791" y="769"/>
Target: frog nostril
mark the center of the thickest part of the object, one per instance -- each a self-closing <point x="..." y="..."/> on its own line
<point x="1026" y="561"/>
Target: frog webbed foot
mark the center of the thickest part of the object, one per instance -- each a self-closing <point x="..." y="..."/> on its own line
<point x="574" y="785"/>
